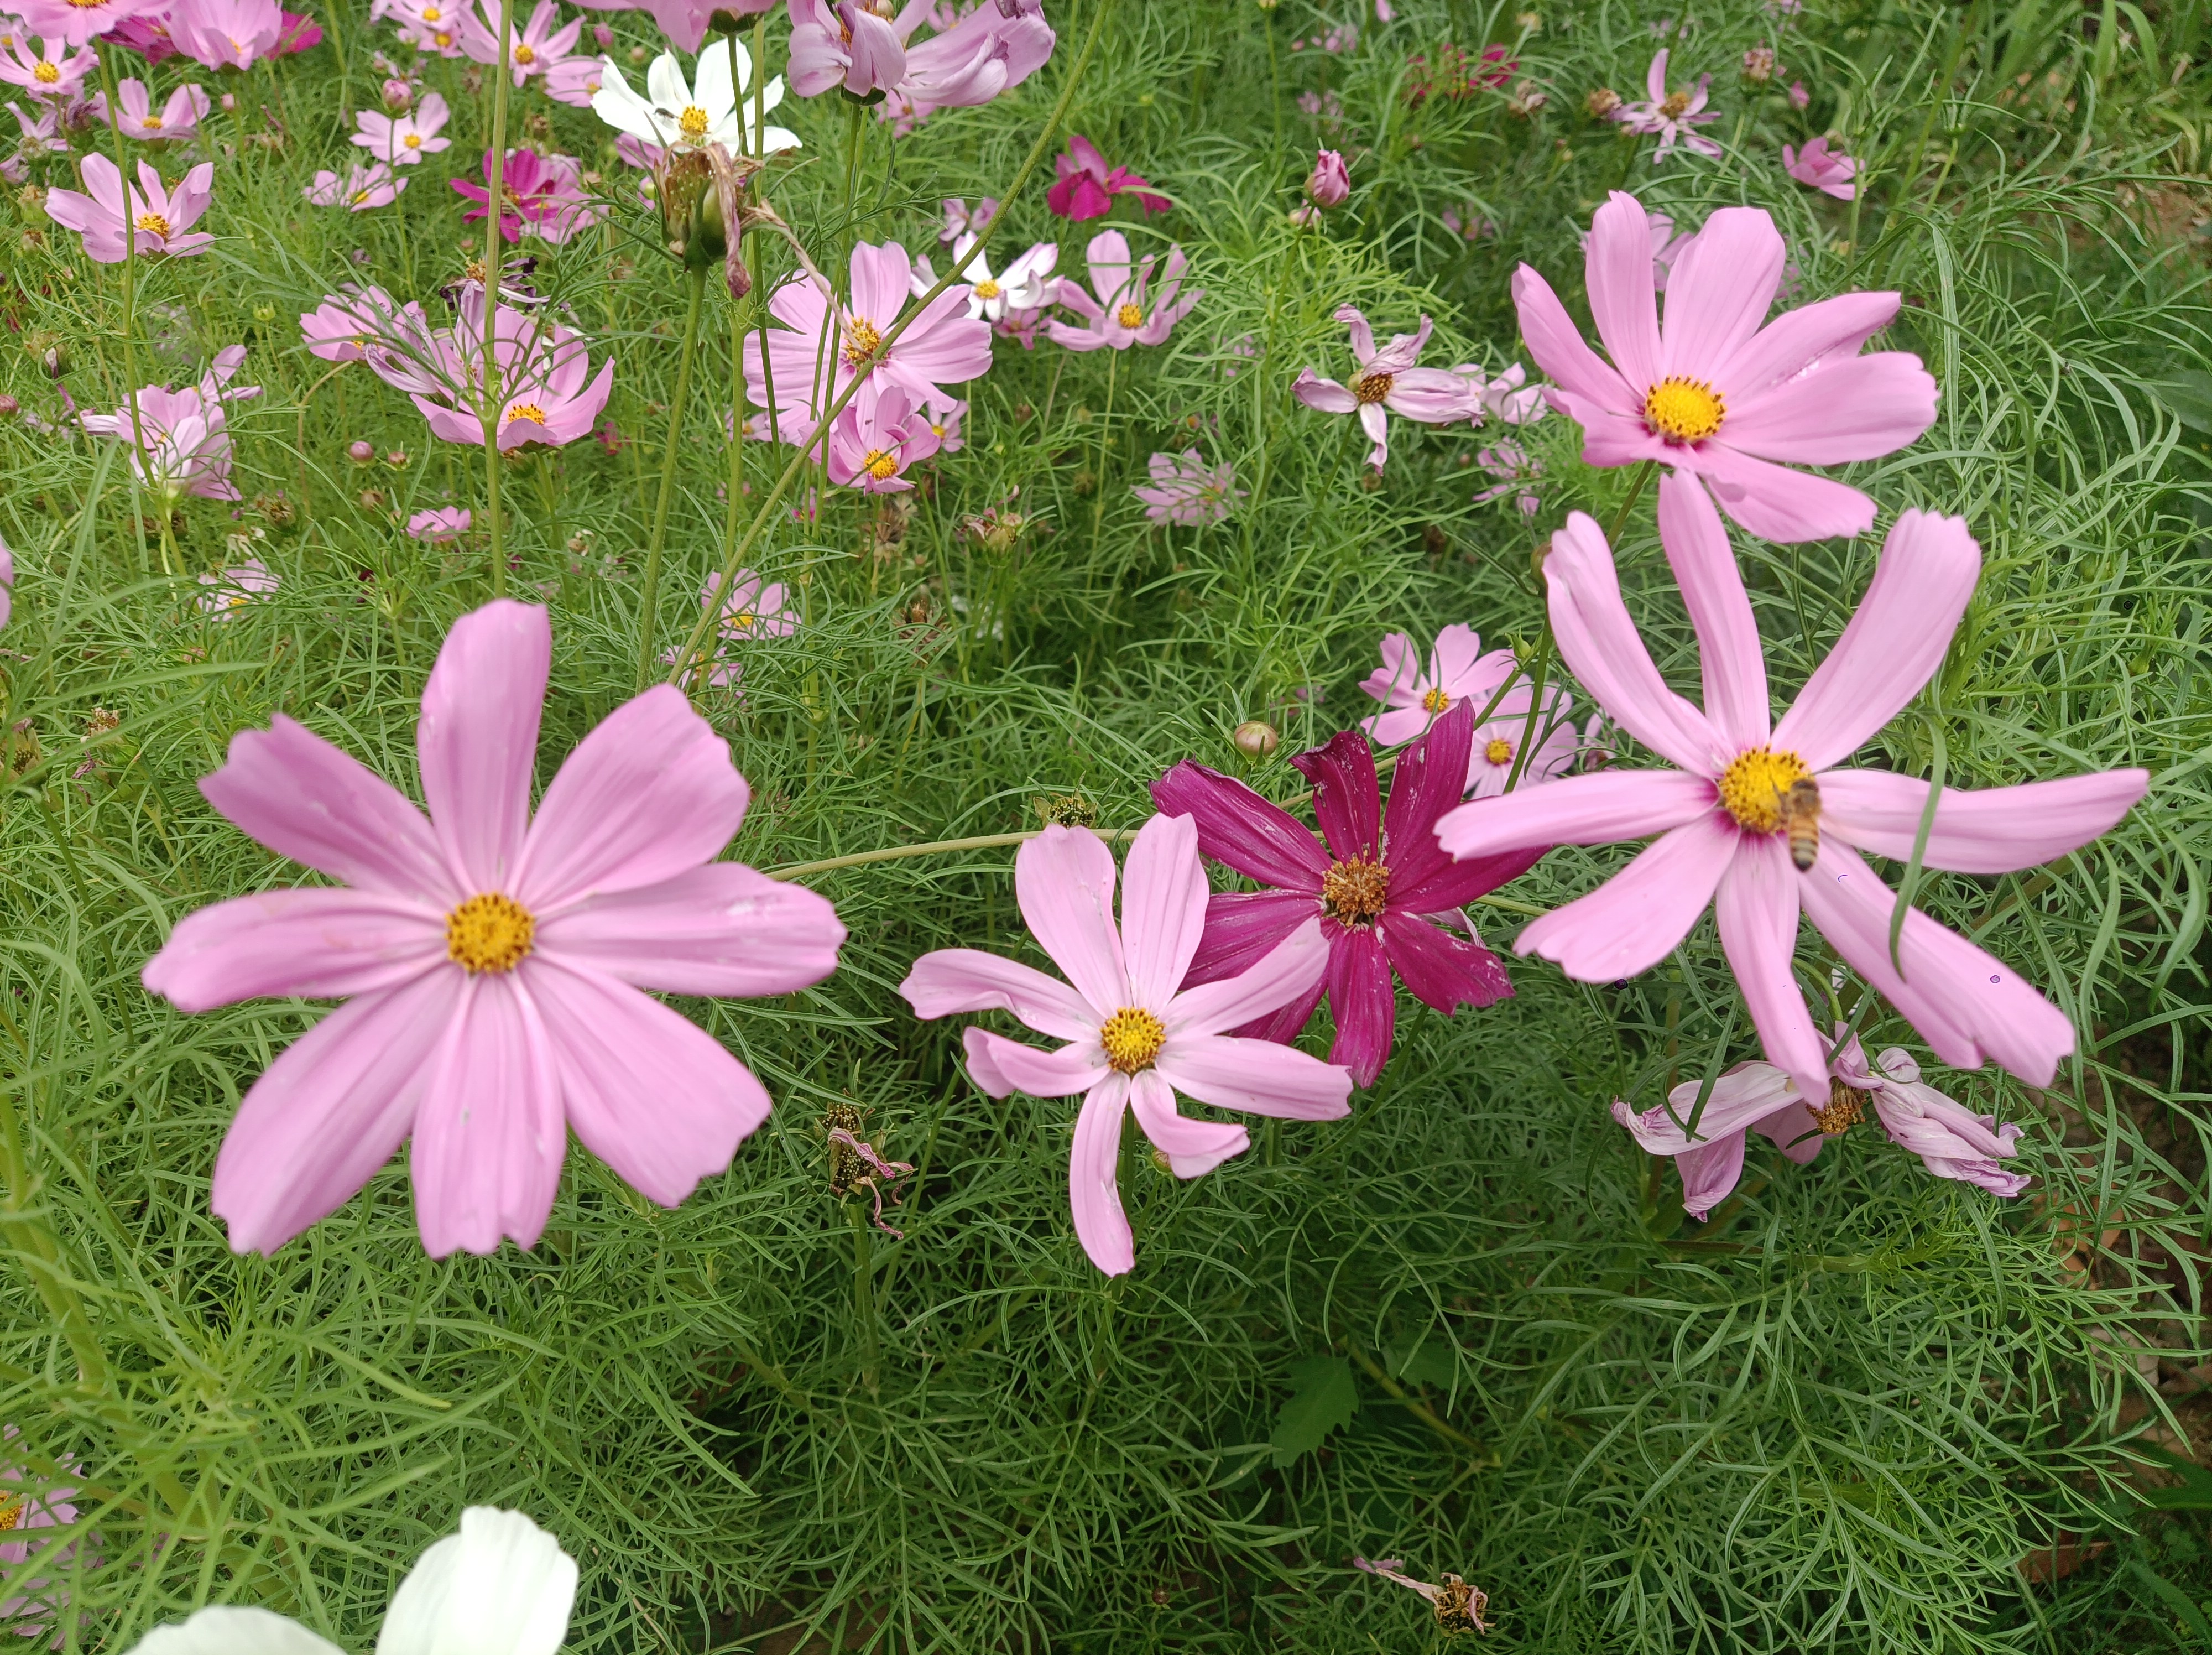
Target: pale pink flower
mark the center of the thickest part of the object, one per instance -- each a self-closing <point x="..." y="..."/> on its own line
<point x="1387" y="378"/>
<point x="1330" y="184"/>
<point x="179" y="118"/>
<point x="35" y="1605"/>
<point x="1508" y="397"/>
<point x="576" y="80"/>
<point x="541" y="370"/>
<point x="1720" y="815"/>
<point x="683" y="22"/>
<point x="1123" y="313"/>
<point x="959" y="222"/>
<point x="360" y="190"/>
<point x="225" y="33"/>
<point x="1471" y="226"/>
<point x="78" y="21"/>
<point x="403" y="140"/>
<point x="1673" y="117"/>
<point x="433" y="25"/>
<point x="532" y="47"/>
<point x="879" y="436"/>
<point x="369" y="324"/>
<point x="230" y="590"/>
<point x="755" y="608"/>
<point x="1553" y="743"/>
<point x="1186" y="492"/>
<point x="51" y="71"/>
<point x="161" y="219"/>
<point x="42" y="131"/>
<point x="1135" y="1034"/>
<point x="1715" y="394"/>
<point x="944" y="426"/>
<point x="443" y="523"/>
<point x="1829" y="171"/>
<point x="182" y="437"/>
<point x="1951" y="1140"/>
<point x="492" y="963"/>
<point x="1799" y="97"/>
<point x="975" y="57"/>
<point x="1415" y="694"/>
<point x="7" y="583"/>
<point x="1515" y="471"/>
<point x="1024" y="288"/>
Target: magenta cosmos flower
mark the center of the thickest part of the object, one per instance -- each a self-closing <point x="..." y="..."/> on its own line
<point x="1124" y="312"/>
<point x="1387" y="379"/>
<point x="1720" y="815"/>
<point x="1673" y="116"/>
<point x="161" y="220"/>
<point x="225" y="33"/>
<point x="544" y="195"/>
<point x="1951" y="1140"/>
<point x="52" y="71"/>
<point x="1137" y="1032"/>
<point x="404" y="139"/>
<point x="1086" y="186"/>
<point x="1716" y="395"/>
<point x="491" y="961"/>
<point x="179" y="118"/>
<point x="1186" y="492"/>
<point x="1829" y="171"/>
<point x="547" y="392"/>
<point x="1387" y="898"/>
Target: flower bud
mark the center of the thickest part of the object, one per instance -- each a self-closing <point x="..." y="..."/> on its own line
<point x="1255" y="737"/>
<point x="55" y="361"/>
<point x="1601" y="103"/>
<point x="9" y="407"/>
<point x="1799" y="97"/>
<point x="1330" y="184"/>
<point x="361" y="453"/>
<point x="229" y="101"/>
<point x="602" y="36"/>
<point x="398" y="97"/>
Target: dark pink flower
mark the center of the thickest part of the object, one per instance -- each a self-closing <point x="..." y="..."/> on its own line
<point x="544" y="196"/>
<point x="1330" y="184"/>
<point x="1086" y="189"/>
<point x="1829" y="171"/>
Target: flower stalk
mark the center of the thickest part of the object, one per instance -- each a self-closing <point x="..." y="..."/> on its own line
<point x="493" y="265"/>
<point x="649" y="592"/>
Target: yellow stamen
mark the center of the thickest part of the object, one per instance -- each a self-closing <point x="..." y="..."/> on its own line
<point x="694" y="122"/>
<point x="1752" y="787"/>
<point x="11" y="1512"/>
<point x="359" y="196"/>
<point x="1132" y="1037"/>
<point x="46" y="74"/>
<point x="151" y="123"/>
<point x="1372" y="387"/>
<point x="443" y="39"/>
<point x="413" y="140"/>
<point x="1498" y="751"/>
<point x="1676" y="104"/>
<point x="529" y="410"/>
<point x="431" y="14"/>
<point x="862" y="341"/>
<point x="491" y="932"/>
<point x="987" y="289"/>
<point x="153" y="222"/>
<point x="1129" y="316"/>
<point x="1684" y="411"/>
<point x="1845" y="1108"/>
<point x="524" y="52"/>
<point x="1434" y="701"/>
<point x="1355" y="891"/>
<point x="881" y="465"/>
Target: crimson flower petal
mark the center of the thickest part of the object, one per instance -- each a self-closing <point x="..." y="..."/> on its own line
<point x="1348" y="800"/>
<point x="1239" y="829"/>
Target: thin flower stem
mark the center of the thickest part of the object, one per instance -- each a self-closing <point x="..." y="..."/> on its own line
<point x="1105" y="421"/>
<point x="649" y="590"/>
<point x="495" y="199"/>
<point x="741" y="315"/>
<point x="1045" y="138"/>
<point x="129" y="293"/>
<point x="863" y="1297"/>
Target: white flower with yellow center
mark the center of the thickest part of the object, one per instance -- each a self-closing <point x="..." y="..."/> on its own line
<point x="714" y="106"/>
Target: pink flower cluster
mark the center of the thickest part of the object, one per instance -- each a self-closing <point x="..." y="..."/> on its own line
<point x="967" y="61"/>
<point x="181" y="439"/>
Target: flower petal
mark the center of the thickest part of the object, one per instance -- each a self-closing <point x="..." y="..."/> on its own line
<point x="1617" y="274"/>
<point x="1775" y="502"/>
<point x="1891" y="646"/>
<point x="1347" y="801"/>
<point x="502" y="1586"/>
<point x="1001" y="1066"/>
<point x="1800" y="339"/>
<point x="1064" y="881"/>
<point x="1094" y="1195"/>
<point x="1732" y="661"/>
<point x="1193" y="1147"/>
<point x="1598" y="809"/>
<point x="1363" y="999"/>
<point x="336" y="1105"/>
<point x="1718" y="291"/>
<point x="1745" y="1093"/>
<point x="1427" y="781"/>
<point x="649" y="1091"/>
<point x="1283" y="974"/>
<point x="308" y="800"/>
<point x="1257" y="1076"/>
<point x="950" y="980"/>
<point x="1443" y="970"/>
<point x="721" y="929"/>
<point x="1860" y="408"/>
<point x="1755" y="909"/>
<point x="1242" y="927"/>
<point x="477" y="742"/>
<point x="316" y="943"/>
<point x="1239" y="829"/>
<point x="1316" y="392"/>
<point x="1637" y="917"/>
<point x="1983" y="830"/>
<point x="1162" y="908"/>
<point x="224" y="1629"/>
<point x="488" y="1134"/>
<point x="1557" y="345"/>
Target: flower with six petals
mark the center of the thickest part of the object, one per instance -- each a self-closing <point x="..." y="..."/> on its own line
<point x="1387" y="379"/>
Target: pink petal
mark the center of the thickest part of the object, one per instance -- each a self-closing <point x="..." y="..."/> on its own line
<point x="1710" y="1174"/>
<point x="879" y="56"/>
<point x="882" y="278"/>
<point x="1638" y="916"/>
<point x="1107" y="259"/>
<point x="1243" y="927"/>
<point x="1064" y="881"/>
<point x="1377" y="424"/>
<point x="1794" y="1131"/>
<point x="1432" y="397"/>
<point x="721" y="929"/>
<point x="952" y="980"/>
<point x="1747" y="1093"/>
<point x="1618" y="266"/>
<point x="1348" y="800"/>
<point x="1773" y="502"/>
<point x="333" y="1108"/>
<point x="315" y="943"/>
<point x="649" y="1092"/>
<point x="648" y="794"/>
<point x="1797" y="340"/>
<point x="1239" y="829"/>
<point x="1162" y="908"/>
<point x="1443" y="970"/>
<point x="1893" y="644"/>
<point x="1755" y="909"/>
<point x="1600" y="643"/>
<point x="308" y="800"/>
<point x="1283" y="975"/>
<point x="1398" y="681"/>
<point x="1599" y="809"/>
<point x="1362" y="335"/>
<point x="1001" y="1066"/>
<point x="1986" y="831"/>
<point x="1718" y="291"/>
<point x="1094" y="1199"/>
<point x="477" y="744"/>
<point x="1557" y="345"/>
<point x="1859" y="408"/>
<point x="488" y="1134"/>
<point x="1733" y="659"/>
<point x="1400" y="724"/>
<point x="1363" y="999"/>
<point x="1193" y="1147"/>
<point x="1256" y="1076"/>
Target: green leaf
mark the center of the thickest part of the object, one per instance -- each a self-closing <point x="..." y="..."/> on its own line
<point x="1428" y="1363"/>
<point x="2192" y="1493"/>
<point x="1322" y="1398"/>
<point x="2176" y="1600"/>
<point x="2187" y="396"/>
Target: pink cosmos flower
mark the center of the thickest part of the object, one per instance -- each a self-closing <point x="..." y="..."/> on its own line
<point x="492" y="963"/>
<point x="1515" y="471"/>
<point x="1023" y="288"/>
<point x="230" y="590"/>
<point x="1186" y="492"/>
<point x="433" y="25"/>
<point x="1416" y="696"/>
<point x="1330" y="185"/>
<point x="1720" y="815"/>
<point x="360" y="190"/>
<point x="52" y="71"/>
<point x="7" y="584"/>
<point x="541" y="366"/>
<point x="76" y="21"/>
<point x="754" y="609"/>
<point x="959" y="222"/>
<point x="544" y="196"/>
<point x="1716" y="395"/>
<point x="943" y="346"/>
<point x="1951" y="1140"/>
<point x="1085" y="189"/>
<point x="184" y="439"/>
<point x="1829" y="171"/>
<point x="1387" y="899"/>
<point x="532" y="48"/>
<point x="445" y="523"/>
<point x="1387" y="379"/>
<point x="683" y="22"/>
<point x="368" y="325"/>
<point x="403" y="140"/>
<point x="944" y="426"/>
<point x="1123" y="313"/>
<point x="1672" y="115"/>
<point x="225" y="33"/>
<point x="995" y="44"/>
<point x="1137" y="1031"/>
<point x="180" y="116"/>
<point x="1553" y="742"/>
<point x="1508" y="398"/>
<point x="1799" y="97"/>
<point x="42" y="131"/>
<point x="576" y="80"/>
<point x="879" y="436"/>
<point x="162" y="221"/>
<point x="35" y="1606"/>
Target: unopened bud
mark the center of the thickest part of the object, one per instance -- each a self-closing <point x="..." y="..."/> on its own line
<point x="398" y="97"/>
<point x="9" y="407"/>
<point x="1255" y="737"/>
<point x="637" y="54"/>
<point x="1330" y="183"/>
<point x="396" y="459"/>
<point x="55" y="361"/>
<point x="602" y="36"/>
<point x="361" y="453"/>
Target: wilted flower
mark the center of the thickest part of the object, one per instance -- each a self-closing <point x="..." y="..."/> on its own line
<point x="1454" y="74"/>
<point x="1123" y="313"/>
<point x="1672" y="115"/>
<point x="1387" y="378"/>
<point x="1185" y="492"/>
<point x="1086" y="187"/>
<point x="1603" y="102"/>
<point x="1457" y="1605"/>
<point x="1829" y="171"/>
<point x="161" y="220"/>
<point x="1799" y="97"/>
<point x="1759" y="65"/>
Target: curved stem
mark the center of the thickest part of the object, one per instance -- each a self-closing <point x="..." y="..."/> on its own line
<point x="494" y="207"/>
<point x="649" y="592"/>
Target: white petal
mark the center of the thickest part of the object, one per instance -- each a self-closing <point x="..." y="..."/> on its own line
<point x="665" y="84"/>
<point x="225" y="1631"/>
<point x="502" y="1586"/>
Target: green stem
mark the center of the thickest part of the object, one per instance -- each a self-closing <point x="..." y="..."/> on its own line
<point x="129" y="296"/>
<point x="494" y="200"/>
<point x="864" y="1297"/>
<point x="649" y="593"/>
<point x="1105" y="420"/>
<point x="37" y="1244"/>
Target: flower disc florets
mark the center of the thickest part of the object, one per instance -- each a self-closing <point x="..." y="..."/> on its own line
<point x="1684" y="411"/>
<point x="1752" y="787"/>
<point x="491" y="932"/>
<point x="1355" y="891"/>
<point x="1132" y="1037"/>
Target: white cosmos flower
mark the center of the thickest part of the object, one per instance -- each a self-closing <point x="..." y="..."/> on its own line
<point x="679" y="115"/>
<point x="1025" y="284"/>
<point x="502" y="1586"/>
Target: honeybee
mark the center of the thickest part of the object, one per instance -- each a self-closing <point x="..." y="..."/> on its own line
<point x="1799" y="808"/>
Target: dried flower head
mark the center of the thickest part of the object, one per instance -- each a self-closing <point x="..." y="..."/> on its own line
<point x="854" y="1163"/>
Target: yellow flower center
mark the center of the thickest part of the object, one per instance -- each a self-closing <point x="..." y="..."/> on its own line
<point x="413" y="140"/>
<point x="1372" y="387"/>
<point x="431" y="14"/>
<point x="443" y="39"/>
<point x="46" y="74"/>
<point x="359" y="196"/>
<point x="987" y="289"/>
<point x="881" y="465"/>
<point x="1129" y="316"/>
<point x="1355" y="891"/>
<point x="1684" y="411"/>
<point x="153" y="222"/>
<point x="1435" y="701"/>
<point x="151" y="123"/>
<point x="524" y="52"/>
<point x="491" y="932"/>
<point x="11" y="1512"/>
<point x="694" y="122"/>
<point x="1845" y="1108"/>
<point x="1498" y="751"/>
<point x="1752" y="785"/>
<point x="1676" y="104"/>
<point x="529" y="410"/>
<point x="743" y="621"/>
<point x="862" y="341"/>
<point x="1132" y="1037"/>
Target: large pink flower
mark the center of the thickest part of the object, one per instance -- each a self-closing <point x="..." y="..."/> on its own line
<point x="161" y="219"/>
<point x="1719" y="816"/>
<point x="541" y="370"/>
<point x="1387" y="378"/>
<point x="225" y="33"/>
<point x="183" y="438"/>
<point x="79" y="20"/>
<point x="1124" y="312"/>
<point x="532" y="47"/>
<point x="880" y="435"/>
<point x="491" y="961"/>
<point x="1718" y="394"/>
<point x="854" y="44"/>
<point x="1136" y="1034"/>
